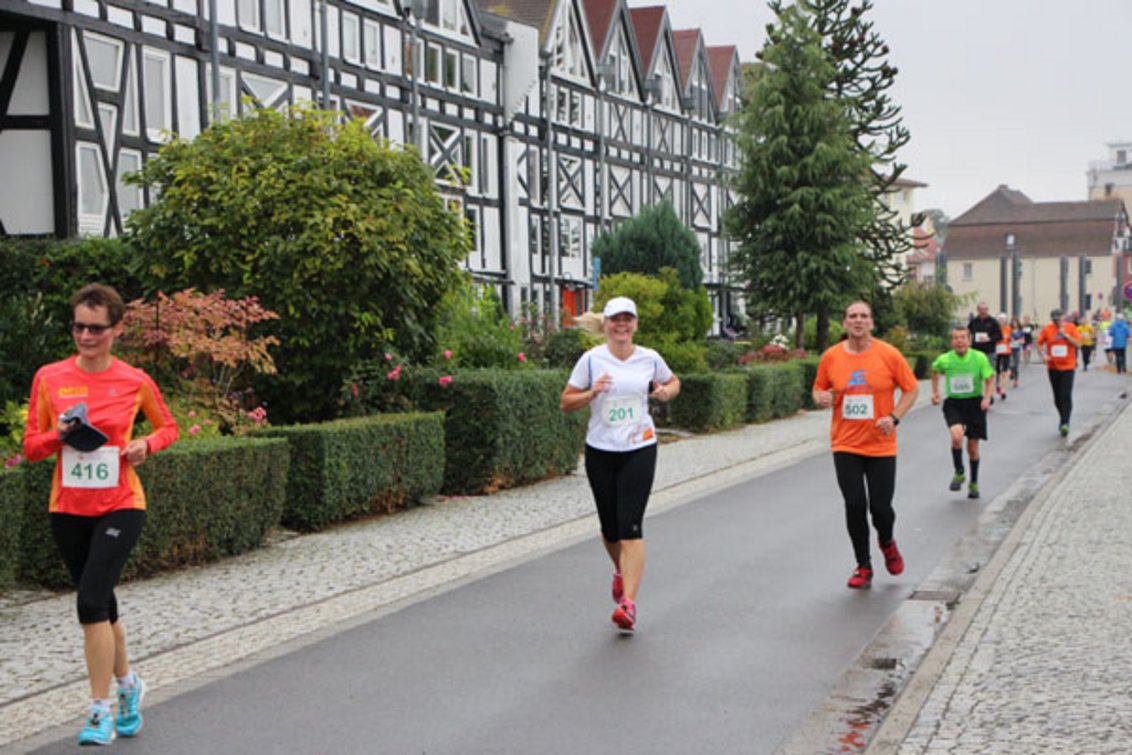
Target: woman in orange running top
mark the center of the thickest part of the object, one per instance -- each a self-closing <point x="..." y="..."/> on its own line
<point x="858" y="378"/>
<point x="97" y="502"/>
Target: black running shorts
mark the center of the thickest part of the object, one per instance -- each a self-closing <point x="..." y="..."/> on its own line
<point x="967" y="412"/>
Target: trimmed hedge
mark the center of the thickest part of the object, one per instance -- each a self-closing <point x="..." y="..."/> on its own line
<point x="786" y="389"/>
<point x="12" y="488"/>
<point x="205" y="499"/>
<point x="809" y="375"/>
<point x="760" y="393"/>
<point x="346" y="468"/>
<point x="712" y="401"/>
<point x="502" y="428"/>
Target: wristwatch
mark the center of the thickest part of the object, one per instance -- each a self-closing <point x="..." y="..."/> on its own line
<point x="895" y="419"/>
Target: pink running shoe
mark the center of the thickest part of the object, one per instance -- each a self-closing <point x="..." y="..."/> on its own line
<point x="625" y="615"/>
<point x="618" y="587"/>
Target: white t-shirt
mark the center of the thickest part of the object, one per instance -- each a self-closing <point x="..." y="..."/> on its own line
<point x="619" y="417"/>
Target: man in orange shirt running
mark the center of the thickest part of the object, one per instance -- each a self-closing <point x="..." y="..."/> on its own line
<point x="858" y="379"/>
<point x="1058" y="343"/>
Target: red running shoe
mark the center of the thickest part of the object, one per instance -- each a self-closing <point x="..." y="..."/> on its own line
<point x="625" y="615"/>
<point x="893" y="561"/>
<point x="861" y="579"/>
<point x="618" y="587"/>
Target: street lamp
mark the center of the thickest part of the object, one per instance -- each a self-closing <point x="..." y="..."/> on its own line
<point x="654" y="90"/>
<point x="414" y="11"/>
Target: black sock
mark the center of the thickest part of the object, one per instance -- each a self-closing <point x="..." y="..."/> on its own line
<point x="975" y="470"/>
<point x="957" y="458"/>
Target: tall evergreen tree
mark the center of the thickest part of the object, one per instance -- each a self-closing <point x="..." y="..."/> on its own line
<point x="862" y="82"/>
<point x="802" y="205"/>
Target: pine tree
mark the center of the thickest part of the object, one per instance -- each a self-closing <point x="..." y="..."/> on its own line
<point x="802" y="205"/>
<point x="864" y="78"/>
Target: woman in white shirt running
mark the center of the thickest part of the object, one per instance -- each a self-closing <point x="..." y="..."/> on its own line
<point x="615" y="380"/>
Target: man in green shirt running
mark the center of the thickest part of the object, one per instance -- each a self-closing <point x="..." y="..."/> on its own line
<point x="970" y="384"/>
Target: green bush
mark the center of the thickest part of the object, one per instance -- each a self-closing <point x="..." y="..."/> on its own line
<point x="205" y="500"/>
<point x="809" y="374"/>
<point x="350" y="467"/>
<point x="37" y="280"/>
<point x="682" y="357"/>
<point x="786" y="388"/>
<point x="760" y="392"/>
<point x="12" y="491"/>
<point x="563" y="348"/>
<point x="502" y="427"/>
<point x="723" y="354"/>
<point x="712" y="401"/>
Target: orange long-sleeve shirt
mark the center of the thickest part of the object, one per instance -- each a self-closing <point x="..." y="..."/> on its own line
<point x="114" y="397"/>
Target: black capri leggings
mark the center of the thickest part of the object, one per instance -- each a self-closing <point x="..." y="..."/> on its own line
<point x="879" y="472"/>
<point x="621" y="482"/>
<point x="95" y="549"/>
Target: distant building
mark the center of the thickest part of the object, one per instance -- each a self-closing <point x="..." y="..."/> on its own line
<point x="1025" y="258"/>
<point x="921" y="261"/>
<point x="1112" y="178"/>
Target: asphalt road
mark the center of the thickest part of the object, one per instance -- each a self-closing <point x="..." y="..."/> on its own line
<point x="745" y="625"/>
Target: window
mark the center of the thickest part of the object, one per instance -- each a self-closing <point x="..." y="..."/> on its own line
<point x="453" y="18"/>
<point x="569" y="107"/>
<point x="968" y="271"/>
<point x="248" y="14"/>
<point x="569" y="237"/>
<point x="432" y="64"/>
<point x="350" y="51"/>
<point x="130" y="102"/>
<point x="275" y="18"/>
<point x="469" y="83"/>
<point x="1121" y="156"/>
<point x="451" y="69"/>
<point x="471" y="221"/>
<point x="1010" y="241"/>
<point x="229" y="102"/>
<point x="129" y="196"/>
<point x="93" y="196"/>
<point x="105" y="58"/>
<point x="371" y="41"/>
<point x="622" y="65"/>
<point x="667" y="84"/>
<point x="156" y="94"/>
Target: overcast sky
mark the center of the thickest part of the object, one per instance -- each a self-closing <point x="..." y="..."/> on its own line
<point x="1018" y="92"/>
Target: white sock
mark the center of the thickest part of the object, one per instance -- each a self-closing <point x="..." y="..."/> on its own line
<point x="127" y="681"/>
<point x="101" y="705"/>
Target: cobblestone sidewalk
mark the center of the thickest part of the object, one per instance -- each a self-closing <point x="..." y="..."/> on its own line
<point x="1043" y="665"/>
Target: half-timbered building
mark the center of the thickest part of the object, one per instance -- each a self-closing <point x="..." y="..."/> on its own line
<point x="546" y="121"/>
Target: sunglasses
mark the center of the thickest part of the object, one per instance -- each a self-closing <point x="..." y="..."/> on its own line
<point x="93" y="329"/>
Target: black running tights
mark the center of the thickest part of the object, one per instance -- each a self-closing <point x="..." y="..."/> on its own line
<point x="95" y="549"/>
<point x="867" y="483"/>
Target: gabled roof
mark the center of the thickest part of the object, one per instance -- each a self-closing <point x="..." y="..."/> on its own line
<point x="1006" y="205"/>
<point x="599" y="16"/>
<point x="536" y="13"/>
<point x="1041" y="229"/>
<point x="648" y="23"/>
<point x="687" y="42"/>
<point x="721" y="61"/>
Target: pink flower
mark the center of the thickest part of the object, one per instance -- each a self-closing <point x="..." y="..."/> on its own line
<point x="354" y="389"/>
<point x="445" y="380"/>
<point x="448" y="353"/>
<point x="194" y="429"/>
<point x="522" y="357"/>
<point x="208" y="422"/>
<point x="192" y="412"/>
<point x="394" y="374"/>
<point x="13" y="461"/>
<point x="388" y="357"/>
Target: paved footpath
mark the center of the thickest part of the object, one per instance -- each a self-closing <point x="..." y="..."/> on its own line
<point x="1037" y="656"/>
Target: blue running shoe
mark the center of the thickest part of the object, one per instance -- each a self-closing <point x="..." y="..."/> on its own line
<point x="99" y="728"/>
<point x="129" y="703"/>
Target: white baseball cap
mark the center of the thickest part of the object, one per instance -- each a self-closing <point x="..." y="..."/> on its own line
<point x="618" y="305"/>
